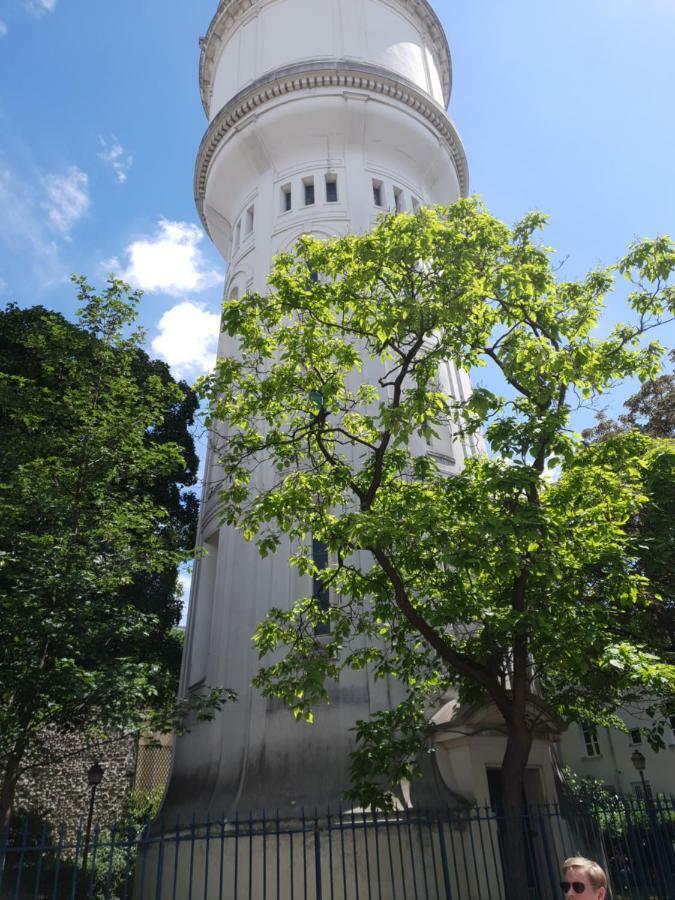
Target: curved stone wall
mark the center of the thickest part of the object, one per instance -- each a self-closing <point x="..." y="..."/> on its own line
<point x="248" y="40"/>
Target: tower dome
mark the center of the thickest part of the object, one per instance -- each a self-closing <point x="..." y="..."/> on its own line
<point x="249" y="38"/>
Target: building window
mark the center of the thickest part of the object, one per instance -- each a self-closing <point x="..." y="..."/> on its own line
<point x="671" y="720"/>
<point x="237" y="235"/>
<point x="309" y="191"/>
<point x="591" y="741"/>
<point x="416" y="205"/>
<point x="320" y="591"/>
<point x="377" y="193"/>
<point x="331" y="189"/>
<point x="398" y="199"/>
<point x="635" y="736"/>
<point x="249" y="219"/>
<point x="286" y="198"/>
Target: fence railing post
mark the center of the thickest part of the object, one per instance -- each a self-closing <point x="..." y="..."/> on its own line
<point x="449" y="856"/>
<point x="444" y="859"/>
<point x="317" y="857"/>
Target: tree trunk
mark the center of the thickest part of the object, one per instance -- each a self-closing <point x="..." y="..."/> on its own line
<point x="518" y="745"/>
<point x="10" y="777"/>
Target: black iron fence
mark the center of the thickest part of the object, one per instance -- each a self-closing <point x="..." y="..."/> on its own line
<point x="456" y="855"/>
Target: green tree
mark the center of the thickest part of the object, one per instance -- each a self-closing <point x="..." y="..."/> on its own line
<point x="95" y="451"/>
<point x="501" y="581"/>
<point x="651" y="411"/>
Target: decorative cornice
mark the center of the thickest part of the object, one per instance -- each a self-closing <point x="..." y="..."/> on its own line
<point x="323" y="75"/>
<point x="229" y="11"/>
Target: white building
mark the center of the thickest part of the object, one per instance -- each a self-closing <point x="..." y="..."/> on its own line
<point x="605" y="754"/>
<point x="322" y="114"/>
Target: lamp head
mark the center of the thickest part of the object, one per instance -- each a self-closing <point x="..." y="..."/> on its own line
<point x="638" y="761"/>
<point x="95" y="775"/>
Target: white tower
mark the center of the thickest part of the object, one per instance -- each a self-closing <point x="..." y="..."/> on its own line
<point x="322" y="114"/>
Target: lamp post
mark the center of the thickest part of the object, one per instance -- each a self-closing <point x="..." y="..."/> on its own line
<point x="640" y="763"/>
<point x="94" y="778"/>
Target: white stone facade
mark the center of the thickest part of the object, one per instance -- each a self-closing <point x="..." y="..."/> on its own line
<point x="605" y="754"/>
<point x="322" y="114"/>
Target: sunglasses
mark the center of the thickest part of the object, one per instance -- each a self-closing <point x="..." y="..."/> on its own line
<point x="577" y="886"/>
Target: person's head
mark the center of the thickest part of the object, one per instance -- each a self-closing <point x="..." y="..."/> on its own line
<point x="583" y="878"/>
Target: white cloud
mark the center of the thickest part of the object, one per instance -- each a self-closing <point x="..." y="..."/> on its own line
<point x="188" y="339"/>
<point x="23" y="227"/>
<point x="3" y="28"/>
<point x="168" y="262"/>
<point x="38" y="8"/>
<point x="67" y="199"/>
<point x="114" y="155"/>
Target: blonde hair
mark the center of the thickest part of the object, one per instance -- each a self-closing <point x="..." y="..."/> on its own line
<point x="596" y="874"/>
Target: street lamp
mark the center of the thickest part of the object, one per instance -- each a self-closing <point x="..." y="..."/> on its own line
<point x="640" y="763"/>
<point x="94" y="778"/>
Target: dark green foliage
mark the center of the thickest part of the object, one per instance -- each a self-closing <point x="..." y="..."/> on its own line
<point x="95" y="457"/>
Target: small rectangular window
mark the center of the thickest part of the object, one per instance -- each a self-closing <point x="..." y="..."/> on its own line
<point x="331" y="189"/>
<point x="286" y="198"/>
<point x="309" y="191"/>
<point x="320" y="592"/>
<point x="635" y="736"/>
<point x="398" y="199"/>
<point x="671" y="720"/>
<point x="591" y="741"/>
<point x="416" y="204"/>
<point x="237" y="235"/>
<point x="377" y="193"/>
<point x="249" y="219"/>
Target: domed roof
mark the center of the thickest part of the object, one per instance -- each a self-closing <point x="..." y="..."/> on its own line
<point x="230" y="11"/>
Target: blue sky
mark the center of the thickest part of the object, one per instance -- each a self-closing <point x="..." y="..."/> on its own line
<point x="563" y="105"/>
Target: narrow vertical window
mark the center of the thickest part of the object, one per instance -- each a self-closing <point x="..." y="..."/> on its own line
<point x="415" y="204"/>
<point x="591" y="741"/>
<point x="635" y="736"/>
<point x="331" y="189"/>
<point x="249" y="219"/>
<point x="320" y="592"/>
<point x="377" y="193"/>
<point x="398" y="199"/>
<point x="309" y="191"/>
<point x="286" y="198"/>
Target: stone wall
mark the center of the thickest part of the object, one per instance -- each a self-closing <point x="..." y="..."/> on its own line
<point x="58" y="791"/>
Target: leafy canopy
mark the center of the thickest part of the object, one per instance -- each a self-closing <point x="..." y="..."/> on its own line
<point x="501" y="581"/>
<point x="94" y="454"/>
